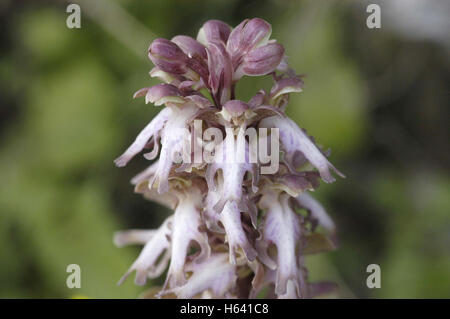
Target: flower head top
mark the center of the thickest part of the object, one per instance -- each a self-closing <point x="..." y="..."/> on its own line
<point x="234" y="223"/>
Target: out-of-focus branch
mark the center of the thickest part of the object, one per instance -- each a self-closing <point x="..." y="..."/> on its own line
<point x="119" y="23"/>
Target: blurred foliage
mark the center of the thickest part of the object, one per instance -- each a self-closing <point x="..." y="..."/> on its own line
<point x="378" y="100"/>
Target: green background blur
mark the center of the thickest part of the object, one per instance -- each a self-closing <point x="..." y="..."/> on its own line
<point x="378" y="98"/>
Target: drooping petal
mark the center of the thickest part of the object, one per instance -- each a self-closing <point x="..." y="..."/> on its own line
<point x="149" y="263"/>
<point x="236" y="237"/>
<point x="186" y="225"/>
<point x="174" y="137"/>
<point x="144" y="136"/>
<point x="294" y="139"/>
<point x="282" y="228"/>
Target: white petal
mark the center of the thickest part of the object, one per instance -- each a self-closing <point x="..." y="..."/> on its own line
<point x="282" y="227"/>
<point x="144" y="136"/>
<point x="187" y="221"/>
<point x="146" y="264"/>
<point x="294" y="139"/>
<point x="231" y="220"/>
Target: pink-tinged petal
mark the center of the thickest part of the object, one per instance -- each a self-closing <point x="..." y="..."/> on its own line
<point x="149" y="263"/>
<point x="214" y="274"/>
<point x="262" y="60"/>
<point x="144" y="136"/>
<point x="294" y="139"/>
<point x="213" y="31"/>
<point x="317" y="211"/>
<point x="236" y="237"/>
<point x="186" y="225"/>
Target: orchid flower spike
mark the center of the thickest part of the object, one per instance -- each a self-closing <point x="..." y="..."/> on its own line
<point x="236" y="228"/>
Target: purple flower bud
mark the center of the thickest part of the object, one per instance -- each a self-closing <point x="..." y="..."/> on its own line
<point x="246" y="36"/>
<point x="262" y="60"/>
<point x="167" y="56"/>
<point x="213" y="31"/>
<point x="190" y="46"/>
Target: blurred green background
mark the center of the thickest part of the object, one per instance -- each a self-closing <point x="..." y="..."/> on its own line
<point x="377" y="97"/>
